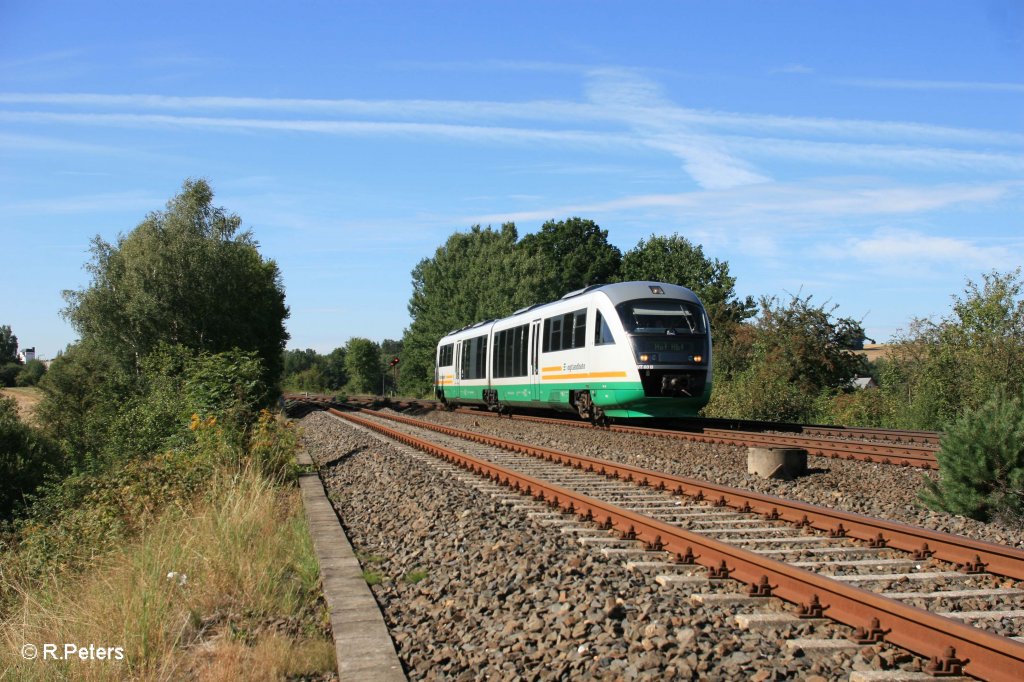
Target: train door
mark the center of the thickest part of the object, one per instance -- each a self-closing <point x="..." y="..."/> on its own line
<point x="535" y="360"/>
<point x="457" y="375"/>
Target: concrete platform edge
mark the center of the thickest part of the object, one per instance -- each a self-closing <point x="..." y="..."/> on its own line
<point x="365" y="652"/>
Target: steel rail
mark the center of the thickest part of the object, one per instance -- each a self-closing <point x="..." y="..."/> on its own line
<point x="916" y="456"/>
<point x="971" y="554"/>
<point x="949" y="643"/>
<point x="932" y="437"/>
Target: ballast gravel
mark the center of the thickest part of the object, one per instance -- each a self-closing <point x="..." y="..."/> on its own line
<point x="472" y="589"/>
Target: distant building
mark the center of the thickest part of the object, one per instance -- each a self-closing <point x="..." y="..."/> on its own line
<point x="864" y="382"/>
<point x="27" y="355"/>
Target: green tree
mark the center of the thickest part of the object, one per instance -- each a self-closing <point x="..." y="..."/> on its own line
<point x="9" y="372"/>
<point x="475" y="275"/>
<point x="981" y="463"/>
<point x="8" y="345"/>
<point x="334" y="373"/>
<point x="296" y="361"/>
<point x="676" y="260"/>
<point x="362" y="362"/>
<point x="572" y="254"/>
<point x="780" y="366"/>
<point x="184" y="276"/>
<point x="31" y="373"/>
<point x="82" y="392"/>
<point x="486" y="274"/>
<point x="940" y="370"/>
<point x="27" y="459"/>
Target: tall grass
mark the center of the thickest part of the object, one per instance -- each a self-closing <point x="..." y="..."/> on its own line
<point x="216" y="589"/>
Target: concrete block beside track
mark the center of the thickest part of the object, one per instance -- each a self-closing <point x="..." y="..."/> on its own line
<point x="784" y="463"/>
<point x="362" y="643"/>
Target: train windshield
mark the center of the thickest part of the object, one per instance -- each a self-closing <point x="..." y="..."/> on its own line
<point x="661" y="316"/>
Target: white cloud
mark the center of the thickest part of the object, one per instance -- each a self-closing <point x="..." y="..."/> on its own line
<point x="775" y="201"/>
<point x="104" y="202"/>
<point x="910" y="251"/>
<point x="623" y="110"/>
<point x="908" y="84"/>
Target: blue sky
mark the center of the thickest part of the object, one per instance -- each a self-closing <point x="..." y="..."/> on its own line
<point x="869" y="153"/>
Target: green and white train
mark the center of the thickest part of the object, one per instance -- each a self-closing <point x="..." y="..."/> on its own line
<point x="630" y="349"/>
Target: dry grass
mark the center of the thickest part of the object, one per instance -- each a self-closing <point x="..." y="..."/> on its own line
<point x="27" y="399"/>
<point x="240" y="603"/>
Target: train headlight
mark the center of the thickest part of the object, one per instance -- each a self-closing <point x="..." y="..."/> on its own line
<point x="644" y="357"/>
<point x="648" y="357"/>
<point x="697" y="359"/>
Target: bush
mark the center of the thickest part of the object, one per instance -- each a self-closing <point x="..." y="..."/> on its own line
<point x="865" y="407"/>
<point x="26" y="458"/>
<point x="940" y="370"/>
<point x="981" y="463"/>
<point x="91" y="512"/>
<point x="31" y="373"/>
<point x="778" y="367"/>
<point x="9" y="373"/>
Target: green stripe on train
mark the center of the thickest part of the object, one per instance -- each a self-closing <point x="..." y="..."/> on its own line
<point x="618" y="399"/>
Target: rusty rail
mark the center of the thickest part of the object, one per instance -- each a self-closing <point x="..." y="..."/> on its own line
<point x="950" y="644"/>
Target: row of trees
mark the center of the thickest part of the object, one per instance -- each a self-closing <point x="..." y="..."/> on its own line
<point x="357" y="367"/>
<point x="487" y="273"/>
<point x="12" y="371"/>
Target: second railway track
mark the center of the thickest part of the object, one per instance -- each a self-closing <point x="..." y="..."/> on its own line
<point x="922" y="456"/>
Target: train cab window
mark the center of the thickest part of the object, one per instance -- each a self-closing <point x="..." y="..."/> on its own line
<point x="659" y="316"/>
<point x="602" y="332"/>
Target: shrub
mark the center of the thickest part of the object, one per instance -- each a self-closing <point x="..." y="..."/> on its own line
<point x="864" y="407"/>
<point x="31" y="373"/>
<point x="27" y="458"/>
<point x="9" y="373"/>
<point x="981" y="463"/>
<point x="778" y="367"/>
<point x="939" y="370"/>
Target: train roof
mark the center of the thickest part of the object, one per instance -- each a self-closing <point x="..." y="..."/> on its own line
<point x="618" y="292"/>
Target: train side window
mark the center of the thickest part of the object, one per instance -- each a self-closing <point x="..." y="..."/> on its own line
<point x="579" y="328"/>
<point x="519" y="364"/>
<point x="481" y="357"/>
<point x="553" y="337"/>
<point x="602" y="332"/>
<point x="447" y="355"/>
<point x="496" y="361"/>
<point x="506" y="353"/>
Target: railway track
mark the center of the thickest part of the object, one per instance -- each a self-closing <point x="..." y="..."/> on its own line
<point x="922" y="456"/>
<point x="745" y="536"/>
